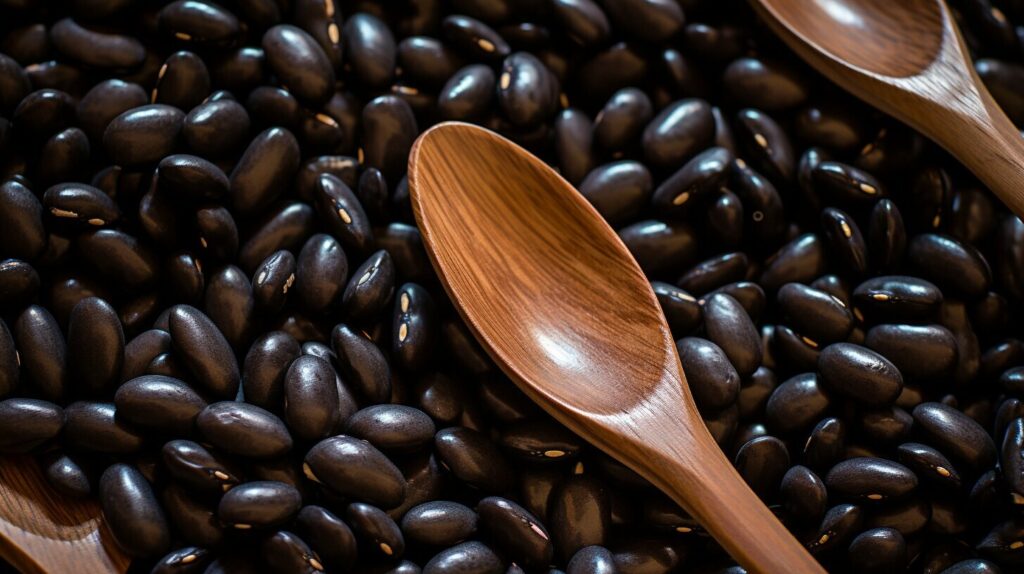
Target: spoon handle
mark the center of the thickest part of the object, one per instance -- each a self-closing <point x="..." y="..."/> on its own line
<point x="988" y="143"/>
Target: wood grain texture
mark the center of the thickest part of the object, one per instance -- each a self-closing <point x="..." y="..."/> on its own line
<point x="908" y="59"/>
<point x="559" y="303"/>
<point x="42" y="531"/>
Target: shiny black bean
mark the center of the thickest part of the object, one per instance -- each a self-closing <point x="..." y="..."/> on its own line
<point x="678" y="132"/>
<point x="859" y="374"/>
<point x="362" y="363"/>
<point x="14" y="82"/>
<point x="273" y="279"/>
<point x="198" y="22"/>
<point x="834" y="127"/>
<point x="973" y="566"/>
<point x="439" y="523"/>
<point x="328" y="535"/>
<point x="340" y="209"/>
<point x="728" y="326"/>
<point x="845" y="240"/>
<point x="954" y="434"/>
<point x="216" y="128"/>
<point x="121" y="259"/>
<point x="878" y="550"/>
<point x="825" y="444"/>
<point x="695" y="183"/>
<point x="845" y="184"/>
<point x="43" y="113"/>
<point x="800" y="261"/>
<point x="370" y="288"/>
<point x="467" y="94"/>
<point x="42" y="351"/>
<point x="187" y="560"/>
<point x="814" y="313"/>
<point x="22" y="234"/>
<point x="95" y="346"/>
<point x="382" y="537"/>
<point x="132" y="512"/>
<point x="143" y="135"/>
<point x="159" y="403"/>
<point x="527" y="92"/>
<point x="972" y="216"/>
<point x="268" y="165"/>
<point x="762" y="462"/>
<point x="920" y="352"/>
<point x="711" y="377"/>
<point x="196" y="521"/>
<point x="681" y="309"/>
<point x="218" y="233"/>
<point x="19" y="283"/>
<point x="183" y="82"/>
<point x="198" y="469"/>
<point x="515" y="531"/>
<point x="310" y="398"/>
<point x="950" y="264"/>
<point x="473" y="459"/>
<point x="259" y="504"/>
<point x="286" y="552"/>
<point x="414" y="326"/>
<point x="392" y="428"/>
<point x="840" y="524"/>
<point x="652" y="20"/>
<point x="803" y="494"/>
<point x="929" y="464"/>
<point x="897" y="297"/>
<point x="767" y="85"/>
<point x="473" y="557"/>
<point x="887" y="237"/>
<point x="192" y="177"/>
<point x="96" y="49"/>
<point x="622" y="119"/>
<point x="320" y="273"/>
<point x="579" y="515"/>
<point x="796" y="404"/>
<point x="618" y="190"/>
<point x="64" y="156"/>
<point x="389" y="128"/>
<point x="998" y="544"/>
<point x="870" y="479"/>
<point x="299" y="63"/>
<point x="765" y="145"/>
<point x="540" y="440"/>
<point x="243" y="429"/>
<point x="355" y="468"/>
<point x="28" y="423"/>
<point x="474" y="38"/>
<point x="204" y="350"/>
<point x="660" y="247"/>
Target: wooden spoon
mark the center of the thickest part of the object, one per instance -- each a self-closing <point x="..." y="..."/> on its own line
<point x="558" y="302"/>
<point x="44" y="532"/>
<point x="907" y="58"/>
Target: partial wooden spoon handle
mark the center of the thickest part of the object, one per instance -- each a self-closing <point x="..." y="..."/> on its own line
<point x="46" y="533"/>
<point x="715" y="494"/>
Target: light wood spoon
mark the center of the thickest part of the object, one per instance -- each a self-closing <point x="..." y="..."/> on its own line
<point x="559" y="303"/>
<point x="907" y="58"/>
<point x="44" y="532"/>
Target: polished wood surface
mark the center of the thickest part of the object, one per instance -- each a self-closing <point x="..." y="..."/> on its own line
<point x="42" y="531"/>
<point x="908" y="59"/>
<point x="560" y="304"/>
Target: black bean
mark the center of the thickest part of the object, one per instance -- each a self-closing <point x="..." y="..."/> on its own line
<point x="328" y="535"/>
<point x="473" y="557"/>
<point x="192" y="177"/>
<point x="653" y="20"/>
<point x="767" y="85"/>
<point x="265" y="367"/>
<point x="887" y="237"/>
<point x="197" y="468"/>
<point x="622" y="119"/>
<point x="342" y="212"/>
<point x="678" y="132"/>
<point x="195" y="520"/>
<point x="132" y="512"/>
<point x="515" y="531"/>
<point x="392" y="428"/>
<point x="795" y="404"/>
<point x="618" y="190"/>
<point x="21" y="222"/>
<point x="951" y="264"/>
<point x="728" y="325"/>
<point x="972" y="566"/>
<point x="762" y="462"/>
<point x="871" y="479"/>
<point x="527" y="92"/>
<point x="660" y="246"/>
<point x="311" y="406"/>
<point x="845" y="184"/>
<point x="896" y="297"/>
<point x="143" y="135"/>
<point x="694" y="184"/>
<point x="859" y="373"/>
<point x="838" y="526"/>
<point x="243" y="429"/>
<point x="204" y="350"/>
<point x="804" y="495"/>
<point x="473" y="459"/>
<point x="878" y="550"/>
<point x="96" y="49"/>
<point x="800" y="261"/>
<point x="467" y="94"/>
<point x="183" y="82"/>
<point x="999" y="544"/>
<point x="218" y="233"/>
<point x="370" y="288"/>
<point x="198" y="22"/>
<point x="159" y="403"/>
<point x="390" y="129"/>
<point x="355" y="468"/>
<point x="592" y="560"/>
<point x="579" y="515"/>
<point x="929" y="464"/>
<point x="268" y="165"/>
<point x="42" y="351"/>
<point x="920" y="352"/>
<point x="361" y="362"/>
<point x="14" y="83"/>
<point x="711" y="377"/>
<point x="28" y="423"/>
<point x="439" y="523"/>
<point x="259" y="504"/>
<point x="955" y="434"/>
<point x="845" y="240"/>
<point x="215" y="128"/>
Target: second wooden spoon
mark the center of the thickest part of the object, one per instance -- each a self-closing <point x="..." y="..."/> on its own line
<point x="557" y="300"/>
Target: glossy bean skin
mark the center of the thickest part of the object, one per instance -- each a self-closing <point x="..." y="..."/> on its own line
<point x="204" y="350"/>
<point x="95" y="49"/>
<point x="873" y="479"/>
<point x="439" y="523"/>
<point x="143" y="135"/>
<point x="159" y="403"/>
<point x="712" y="378"/>
<point x="579" y="515"/>
<point x="267" y="165"/>
<point x="311" y="398"/>
<point x="28" y="423"/>
<point x="470" y="457"/>
<point x="265" y="367"/>
<point x="243" y="429"/>
<point x="332" y="538"/>
<point x="23" y="234"/>
<point x="949" y="264"/>
<point x="361" y="362"/>
<point x="196" y="468"/>
<point x="355" y="468"/>
<point x="518" y="532"/>
<point x="678" y="132"/>
<point x="693" y="184"/>
<point x="728" y="325"/>
<point x="300" y="62"/>
<point x="390" y="128"/>
<point x="214" y="128"/>
<point x="859" y="373"/>
<point x="42" y="351"/>
<point x="617" y="190"/>
<point x="95" y="345"/>
<point x="919" y="352"/>
<point x="954" y="434"/>
<point x="132" y="512"/>
<point x="258" y="504"/>
<point x="459" y="558"/>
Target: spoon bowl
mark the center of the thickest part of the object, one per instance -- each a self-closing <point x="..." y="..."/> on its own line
<point x="908" y="59"/>
<point x="556" y="299"/>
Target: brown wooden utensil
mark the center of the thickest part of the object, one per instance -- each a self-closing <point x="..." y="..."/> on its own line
<point x="552" y="293"/>
<point x="44" y="532"/>
<point x="907" y="58"/>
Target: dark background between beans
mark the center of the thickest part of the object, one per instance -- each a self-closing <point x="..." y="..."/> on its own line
<point x="218" y="317"/>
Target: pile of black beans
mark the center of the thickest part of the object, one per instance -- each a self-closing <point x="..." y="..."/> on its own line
<point x="218" y="318"/>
